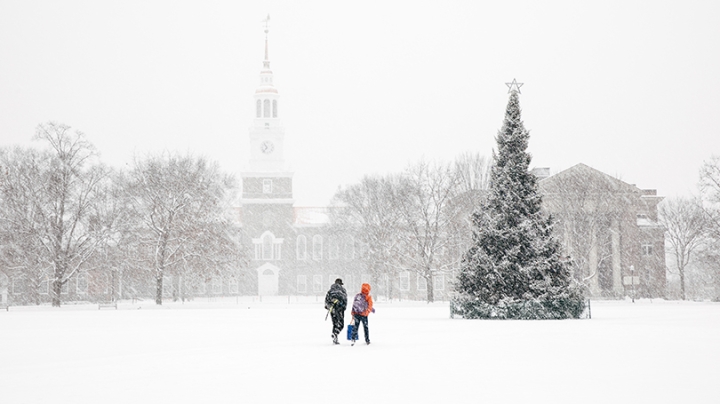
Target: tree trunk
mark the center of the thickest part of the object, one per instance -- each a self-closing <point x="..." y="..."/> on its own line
<point x="57" y="289"/>
<point x="159" y="288"/>
<point x="681" y="271"/>
<point x="430" y="290"/>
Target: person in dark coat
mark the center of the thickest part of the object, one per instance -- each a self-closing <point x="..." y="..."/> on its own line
<point x="335" y="303"/>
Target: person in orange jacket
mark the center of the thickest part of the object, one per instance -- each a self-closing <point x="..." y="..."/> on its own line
<point x="361" y="308"/>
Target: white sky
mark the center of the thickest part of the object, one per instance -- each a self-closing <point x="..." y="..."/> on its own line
<point x="628" y="87"/>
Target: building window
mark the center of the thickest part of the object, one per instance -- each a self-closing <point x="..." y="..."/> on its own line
<point x="274" y="109"/>
<point x="317" y="247"/>
<point x="301" y="248"/>
<point x="216" y="286"/>
<point x="107" y="283"/>
<point x="349" y="248"/>
<point x="302" y="284"/>
<point x="258" y="108"/>
<point x="317" y="283"/>
<point x="404" y="283"/>
<point x="266" y="109"/>
<point x="439" y="282"/>
<point x="647" y="249"/>
<point x="65" y="287"/>
<point x="82" y="284"/>
<point x="44" y="287"/>
<point x="267" y="186"/>
<point x="267" y="247"/>
<point x="233" y="286"/>
<point x="18" y="286"/>
<point x="334" y="248"/>
<point x="167" y="285"/>
<point x="421" y="283"/>
<point x="363" y="250"/>
<point x="201" y="288"/>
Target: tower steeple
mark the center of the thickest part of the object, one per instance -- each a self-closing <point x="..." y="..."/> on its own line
<point x="266" y="62"/>
<point x="267" y="134"/>
<point x="266" y="75"/>
<point x="267" y="165"/>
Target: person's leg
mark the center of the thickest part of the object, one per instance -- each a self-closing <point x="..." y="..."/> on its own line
<point x="337" y="320"/>
<point x="355" y="328"/>
<point x="341" y="321"/>
<point x="337" y="326"/>
<point x="366" y="329"/>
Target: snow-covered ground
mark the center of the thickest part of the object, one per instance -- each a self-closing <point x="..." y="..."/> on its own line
<point x="246" y="351"/>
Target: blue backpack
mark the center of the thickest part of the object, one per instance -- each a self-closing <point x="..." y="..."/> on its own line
<point x="360" y="304"/>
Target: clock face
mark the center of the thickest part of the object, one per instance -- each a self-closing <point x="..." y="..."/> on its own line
<point x="267" y="147"/>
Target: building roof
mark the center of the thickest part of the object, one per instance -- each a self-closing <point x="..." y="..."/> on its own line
<point x="581" y="174"/>
<point x="311" y="216"/>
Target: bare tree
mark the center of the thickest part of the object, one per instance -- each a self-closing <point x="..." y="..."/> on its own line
<point x="365" y="211"/>
<point x="109" y="220"/>
<point x="182" y="210"/>
<point x="425" y="196"/>
<point x="473" y="173"/>
<point x="710" y="189"/>
<point x="20" y="222"/>
<point x="415" y="221"/>
<point x="685" y="223"/>
<point x="710" y="194"/>
<point x="47" y="198"/>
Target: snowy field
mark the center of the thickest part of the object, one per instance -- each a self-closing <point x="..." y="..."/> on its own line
<point x="246" y="351"/>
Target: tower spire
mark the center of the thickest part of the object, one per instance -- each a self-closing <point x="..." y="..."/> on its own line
<point x="266" y="62"/>
<point x="267" y="134"/>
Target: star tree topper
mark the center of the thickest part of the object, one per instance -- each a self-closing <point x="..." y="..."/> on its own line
<point x="514" y="86"/>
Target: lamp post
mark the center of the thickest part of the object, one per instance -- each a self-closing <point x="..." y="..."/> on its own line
<point x="632" y="281"/>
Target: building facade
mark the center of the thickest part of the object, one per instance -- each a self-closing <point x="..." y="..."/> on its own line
<point x="294" y="250"/>
<point x="609" y="230"/>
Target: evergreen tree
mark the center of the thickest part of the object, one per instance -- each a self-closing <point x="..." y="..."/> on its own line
<point x="514" y="267"/>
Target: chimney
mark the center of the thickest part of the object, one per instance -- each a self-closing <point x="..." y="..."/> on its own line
<point x="540" y="172"/>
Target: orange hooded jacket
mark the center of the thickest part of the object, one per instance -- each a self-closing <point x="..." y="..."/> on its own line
<point x="365" y="290"/>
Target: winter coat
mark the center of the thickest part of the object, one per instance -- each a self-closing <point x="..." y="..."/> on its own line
<point x="336" y="292"/>
<point x="365" y="291"/>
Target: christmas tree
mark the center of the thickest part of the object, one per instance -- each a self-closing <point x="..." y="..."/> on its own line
<point x="514" y="268"/>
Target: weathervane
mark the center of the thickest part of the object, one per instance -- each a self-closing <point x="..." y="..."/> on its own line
<point x="266" y="21"/>
<point x="514" y="86"/>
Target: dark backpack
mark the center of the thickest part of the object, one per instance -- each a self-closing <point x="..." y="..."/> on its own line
<point x="359" y="304"/>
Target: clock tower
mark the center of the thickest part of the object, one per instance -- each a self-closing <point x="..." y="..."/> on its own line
<point x="267" y="176"/>
<point x="267" y="200"/>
